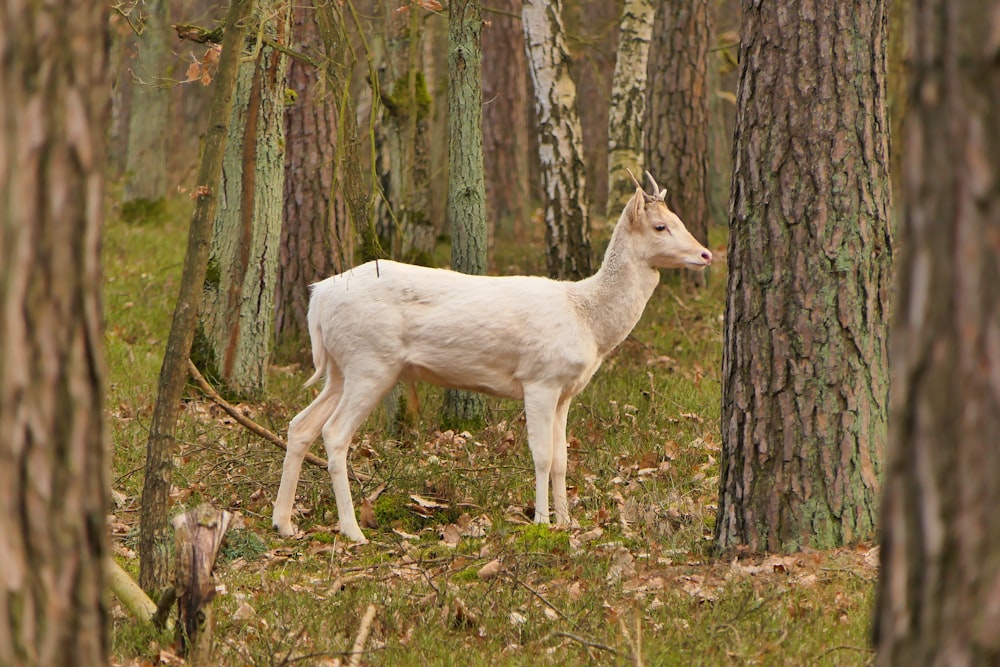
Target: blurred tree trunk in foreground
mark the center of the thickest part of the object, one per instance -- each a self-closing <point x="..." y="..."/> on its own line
<point x="805" y="360"/>
<point x="466" y="187"/>
<point x="53" y="485"/>
<point x="567" y="220"/>
<point x="939" y="586"/>
<point x="233" y="342"/>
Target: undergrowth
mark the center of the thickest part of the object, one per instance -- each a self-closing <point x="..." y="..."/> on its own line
<point x="456" y="572"/>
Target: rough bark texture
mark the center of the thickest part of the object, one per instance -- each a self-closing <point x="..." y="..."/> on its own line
<point x="939" y="589"/>
<point x="315" y="239"/>
<point x="154" y="536"/>
<point x="805" y="377"/>
<point x="628" y="104"/>
<point x="560" y="144"/>
<point x="234" y="339"/>
<point x="53" y="124"/>
<point x="466" y="186"/>
<point x="146" y="157"/>
<point x="678" y="111"/>
<point x="506" y="142"/>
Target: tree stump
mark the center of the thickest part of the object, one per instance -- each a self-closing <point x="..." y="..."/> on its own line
<point x="198" y="534"/>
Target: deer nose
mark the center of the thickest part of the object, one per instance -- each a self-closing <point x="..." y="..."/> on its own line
<point x="707" y="256"/>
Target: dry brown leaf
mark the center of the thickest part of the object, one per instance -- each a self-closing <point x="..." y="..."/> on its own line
<point x="490" y="570"/>
<point x="368" y="519"/>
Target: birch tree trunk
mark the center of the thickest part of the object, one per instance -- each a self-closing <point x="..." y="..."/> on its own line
<point x="628" y="104"/>
<point x="53" y="484"/>
<point x="234" y="339"/>
<point x="805" y="367"/>
<point x="560" y="143"/>
<point x="939" y="582"/>
<point x="678" y="112"/>
<point x="154" y="535"/>
<point x="466" y="186"/>
<point x="146" y="157"/>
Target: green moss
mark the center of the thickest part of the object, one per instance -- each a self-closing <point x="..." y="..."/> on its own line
<point x="542" y="538"/>
<point x="398" y="102"/>
<point x="143" y="210"/>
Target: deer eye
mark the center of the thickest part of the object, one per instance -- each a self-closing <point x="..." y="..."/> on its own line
<point x="660" y="227"/>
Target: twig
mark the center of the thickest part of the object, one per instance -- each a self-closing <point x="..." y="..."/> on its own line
<point x="359" y="642"/>
<point x="540" y="597"/>
<point x="242" y="419"/>
<point x="586" y="642"/>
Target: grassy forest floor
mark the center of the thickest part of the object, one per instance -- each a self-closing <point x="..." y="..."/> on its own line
<point x="455" y="571"/>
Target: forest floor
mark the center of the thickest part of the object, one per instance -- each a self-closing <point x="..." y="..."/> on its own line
<point x="455" y="574"/>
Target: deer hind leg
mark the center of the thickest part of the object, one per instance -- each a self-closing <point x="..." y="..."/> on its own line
<point x="540" y="414"/>
<point x="303" y="429"/>
<point x="362" y="392"/>
<point x="559" y="461"/>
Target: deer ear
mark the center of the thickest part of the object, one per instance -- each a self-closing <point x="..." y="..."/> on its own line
<point x="636" y="207"/>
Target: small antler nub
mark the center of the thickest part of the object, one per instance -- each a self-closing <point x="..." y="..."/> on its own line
<point x="657" y="193"/>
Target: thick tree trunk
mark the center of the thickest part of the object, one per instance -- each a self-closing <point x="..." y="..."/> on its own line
<point x="466" y="186"/>
<point x="506" y="142"/>
<point x="805" y="368"/>
<point x="315" y="239"/>
<point x="678" y="111"/>
<point x="234" y="340"/>
<point x="940" y="578"/>
<point x="628" y="104"/>
<point x="567" y="220"/>
<point x="53" y="485"/>
<point x="146" y="158"/>
<point x="154" y="536"/>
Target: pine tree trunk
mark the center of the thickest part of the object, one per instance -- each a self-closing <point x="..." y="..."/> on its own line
<point x="466" y="186"/>
<point x="154" y="535"/>
<point x="506" y="143"/>
<point x="53" y="484"/>
<point x="315" y="238"/>
<point x="146" y="159"/>
<point x="234" y="340"/>
<point x="677" y="122"/>
<point x="940" y="575"/>
<point x="805" y="368"/>
<point x="567" y="220"/>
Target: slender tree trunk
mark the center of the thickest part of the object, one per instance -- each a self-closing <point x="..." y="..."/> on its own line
<point x="506" y="142"/>
<point x="567" y="220"/>
<point x="315" y="239"/>
<point x="154" y="536"/>
<point x="677" y="123"/>
<point x="53" y="484"/>
<point x="628" y="104"/>
<point x="805" y="368"/>
<point x="234" y="339"/>
<point x="466" y="186"/>
<point x="939" y="584"/>
<point x="146" y="159"/>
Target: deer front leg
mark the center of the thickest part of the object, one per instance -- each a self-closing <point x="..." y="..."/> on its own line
<point x="540" y="414"/>
<point x="560" y="462"/>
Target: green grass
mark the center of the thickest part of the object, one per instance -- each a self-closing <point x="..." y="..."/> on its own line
<point x="643" y="476"/>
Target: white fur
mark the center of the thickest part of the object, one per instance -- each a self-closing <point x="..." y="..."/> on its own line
<point x="520" y="337"/>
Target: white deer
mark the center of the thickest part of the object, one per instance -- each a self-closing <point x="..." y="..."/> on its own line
<point x="518" y="337"/>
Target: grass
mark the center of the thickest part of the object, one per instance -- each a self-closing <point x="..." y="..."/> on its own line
<point x="471" y="582"/>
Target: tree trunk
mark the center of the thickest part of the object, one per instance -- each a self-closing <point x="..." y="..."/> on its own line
<point x="628" y="104"/>
<point x="506" y="143"/>
<point x="315" y="239"/>
<point x="805" y="377"/>
<point x="567" y="221"/>
<point x="677" y="123"/>
<point x="146" y="158"/>
<point x="940" y="575"/>
<point x="53" y="485"/>
<point x="154" y="535"/>
<point x="234" y="340"/>
<point x="466" y="186"/>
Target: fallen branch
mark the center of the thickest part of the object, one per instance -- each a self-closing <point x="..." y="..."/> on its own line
<point x="361" y="639"/>
<point x="130" y="594"/>
<point x="581" y="640"/>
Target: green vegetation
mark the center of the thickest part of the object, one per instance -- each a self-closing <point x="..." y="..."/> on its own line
<point x="463" y="578"/>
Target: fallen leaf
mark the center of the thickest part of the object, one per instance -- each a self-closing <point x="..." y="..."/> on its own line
<point x="368" y="519"/>
<point x="490" y="570"/>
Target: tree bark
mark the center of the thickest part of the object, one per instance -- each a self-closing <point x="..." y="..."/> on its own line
<point x="805" y="367"/>
<point x="146" y="157"/>
<point x="567" y="220"/>
<point x="678" y="112"/>
<point x="628" y="104"/>
<point x="233" y="342"/>
<point x="466" y="183"/>
<point x="940" y="577"/>
<point x="53" y="128"/>
<point x="506" y="142"/>
<point x="154" y="535"/>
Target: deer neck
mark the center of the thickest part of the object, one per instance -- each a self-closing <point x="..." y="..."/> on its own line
<point x="612" y="300"/>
